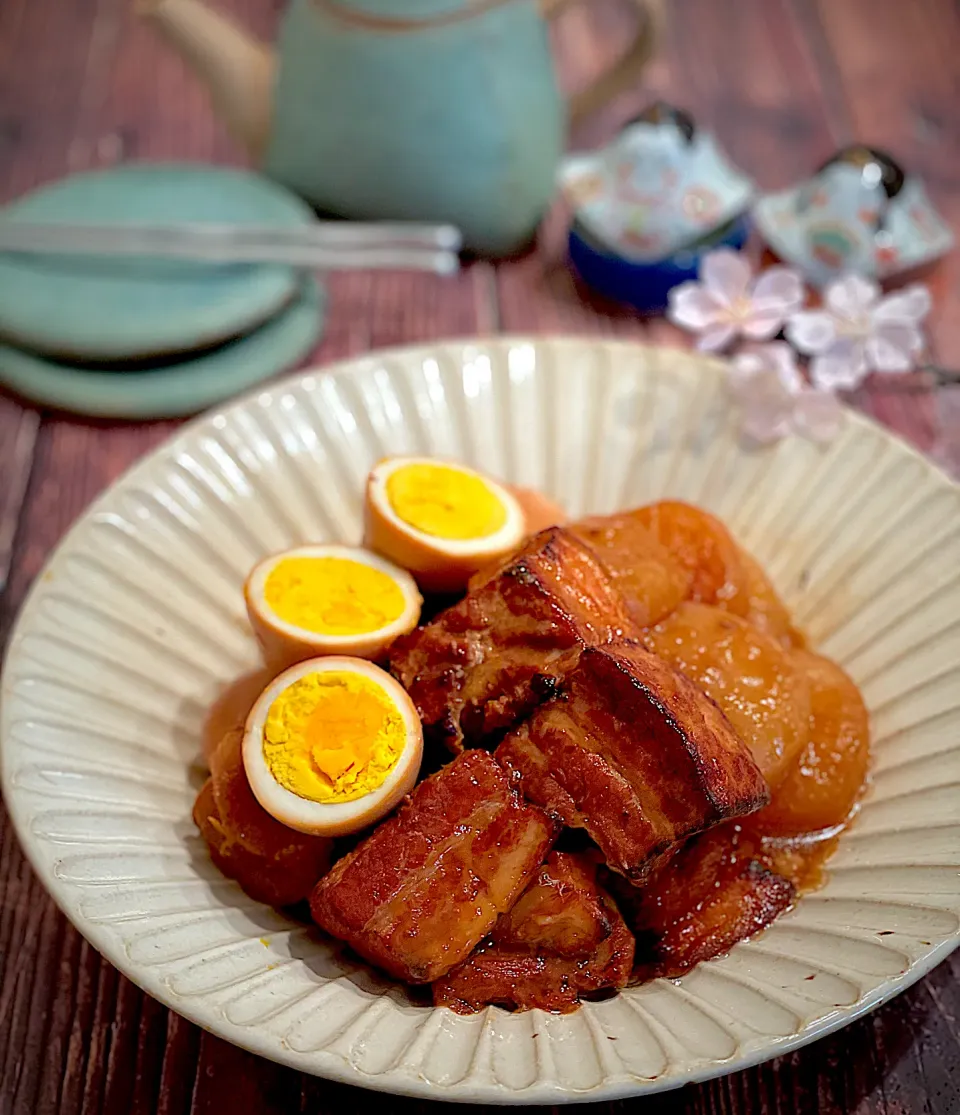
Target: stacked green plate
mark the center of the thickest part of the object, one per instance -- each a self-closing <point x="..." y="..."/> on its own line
<point x="145" y="338"/>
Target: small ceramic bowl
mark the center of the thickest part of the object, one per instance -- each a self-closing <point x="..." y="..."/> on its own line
<point x="659" y="187"/>
<point x="645" y="286"/>
<point x="860" y="212"/>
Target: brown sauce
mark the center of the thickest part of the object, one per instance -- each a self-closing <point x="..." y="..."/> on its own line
<point x="800" y="859"/>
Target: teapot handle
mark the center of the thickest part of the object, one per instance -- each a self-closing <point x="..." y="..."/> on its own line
<point x="627" y="68"/>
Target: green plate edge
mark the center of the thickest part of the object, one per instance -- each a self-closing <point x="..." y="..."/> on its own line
<point x="178" y="390"/>
<point x="163" y="307"/>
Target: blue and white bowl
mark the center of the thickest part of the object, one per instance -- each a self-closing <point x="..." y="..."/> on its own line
<point x="859" y="213"/>
<point x="645" y="286"/>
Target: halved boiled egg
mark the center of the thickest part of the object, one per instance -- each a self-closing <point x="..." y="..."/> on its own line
<point x="442" y="521"/>
<point x="332" y="745"/>
<point x="322" y="599"/>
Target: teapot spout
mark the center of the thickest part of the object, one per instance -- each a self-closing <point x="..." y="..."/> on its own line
<point x="237" y="69"/>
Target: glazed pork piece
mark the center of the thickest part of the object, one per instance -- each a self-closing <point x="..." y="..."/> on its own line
<point x="712" y="894"/>
<point x="482" y="665"/>
<point x="430" y="882"/>
<point x="564" y="939"/>
<point x="634" y="753"/>
<point x="562" y="911"/>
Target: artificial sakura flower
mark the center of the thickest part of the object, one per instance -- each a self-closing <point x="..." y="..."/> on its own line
<point x="726" y="303"/>
<point x="775" y="399"/>
<point x="857" y="331"/>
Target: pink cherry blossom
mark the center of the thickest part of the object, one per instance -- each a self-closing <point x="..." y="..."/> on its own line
<point x="727" y="302"/>
<point x="775" y="400"/>
<point x="858" y="332"/>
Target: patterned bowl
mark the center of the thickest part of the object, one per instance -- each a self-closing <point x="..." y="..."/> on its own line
<point x="138" y="621"/>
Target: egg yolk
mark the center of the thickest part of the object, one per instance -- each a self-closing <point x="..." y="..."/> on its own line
<point x="333" y="736"/>
<point x="332" y="596"/>
<point x="445" y="502"/>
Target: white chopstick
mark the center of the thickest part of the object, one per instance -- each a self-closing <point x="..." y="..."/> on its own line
<point x="323" y="245"/>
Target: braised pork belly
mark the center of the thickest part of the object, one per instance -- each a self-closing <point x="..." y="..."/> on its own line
<point x="563" y="940"/>
<point x="629" y="686"/>
<point x="635" y="754"/>
<point x="482" y="665"/>
<point x="713" y="894"/>
<point x="562" y="910"/>
<point x="429" y="883"/>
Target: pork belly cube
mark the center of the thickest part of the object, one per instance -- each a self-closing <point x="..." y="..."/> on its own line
<point x="712" y="894"/>
<point x="561" y="912"/>
<point x="482" y="665"/>
<point x="430" y="881"/>
<point x="634" y="753"/>
<point x="564" y="939"/>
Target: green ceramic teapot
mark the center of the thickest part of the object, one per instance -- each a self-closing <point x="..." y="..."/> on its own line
<point x="437" y="110"/>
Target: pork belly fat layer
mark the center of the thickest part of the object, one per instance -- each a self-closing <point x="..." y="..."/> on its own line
<point x="564" y="938"/>
<point x="430" y="882"/>
<point x="483" y="664"/>
<point x="635" y="754"/>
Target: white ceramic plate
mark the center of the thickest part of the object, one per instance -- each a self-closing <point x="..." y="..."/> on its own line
<point x="139" y="620"/>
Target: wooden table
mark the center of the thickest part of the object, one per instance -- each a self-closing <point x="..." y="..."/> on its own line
<point x="783" y="82"/>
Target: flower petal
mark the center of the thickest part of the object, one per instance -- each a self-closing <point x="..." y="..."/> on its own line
<point x="765" y="420"/>
<point x="851" y="297"/>
<point x="783" y="360"/>
<point x="892" y="347"/>
<point x="910" y="305"/>
<point x="811" y="331"/>
<point x="905" y="335"/>
<point x="817" y="415"/>
<point x="765" y="381"/>
<point x="743" y="371"/>
<point x="780" y="288"/>
<point x="716" y="337"/>
<point x="726" y="275"/>
<point x="843" y="367"/>
<point x="762" y="324"/>
<point x="692" y="307"/>
<point x="774" y="363"/>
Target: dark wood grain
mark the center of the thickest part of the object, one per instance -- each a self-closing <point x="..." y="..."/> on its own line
<point x="18" y="439"/>
<point x="783" y="82"/>
<point x="897" y="100"/>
